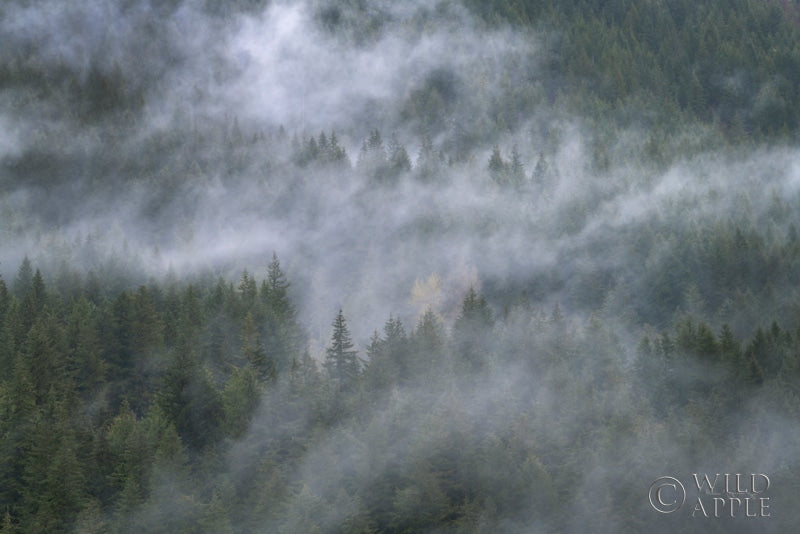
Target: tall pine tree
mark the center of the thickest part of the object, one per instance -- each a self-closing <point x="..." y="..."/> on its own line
<point x="341" y="360"/>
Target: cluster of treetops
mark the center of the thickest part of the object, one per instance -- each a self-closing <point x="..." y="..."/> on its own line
<point x="730" y="64"/>
<point x="102" y="392"/>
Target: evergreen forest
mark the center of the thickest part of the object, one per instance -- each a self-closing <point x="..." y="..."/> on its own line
<point x="437" y="266"/>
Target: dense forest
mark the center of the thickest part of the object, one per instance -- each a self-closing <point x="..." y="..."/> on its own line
<point x="444" y="266"/>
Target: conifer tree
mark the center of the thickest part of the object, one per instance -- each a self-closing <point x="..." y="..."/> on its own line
<point x="336" y="153"/>
<point x="85" y="363"/>
<point x="372" y="157"/>
<point x="496" y="163"/>
<point x="376" y="372"/>
<point x="248" y="290"/>
<point x="304" y="376"/>
<point x="5" y="299"/>
<point x="399" y="162"/>
<point x="254" y="351"/>
<point x="428" y="341"/>
<point x="388" y="356"/>
<point x="395" y="345"/>
<point x="274" y="291"/>
<point x="516" y="168"/>
<point x="240" y="398"/>
<point x="341" y="360"/>
<point x="24" y="280"/>
<point x="471" y="330"/>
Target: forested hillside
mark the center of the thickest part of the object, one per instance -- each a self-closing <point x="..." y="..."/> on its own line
<point x="455" y="266"/>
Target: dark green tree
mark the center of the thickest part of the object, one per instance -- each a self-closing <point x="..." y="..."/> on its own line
<point x="497" y="166"/>
<point x="471" y="331"/>
<point x="282" y="333"/>
<point x="341" y="361"/>
<point x="240" y="398"/>
<point x="248" y="290"/>
<point x="428" y="345"/>
<point x="188" y="398"/>
<point x="85" y="362"/>
<point x="254" y="351"/>
<point x="23" y="283"/>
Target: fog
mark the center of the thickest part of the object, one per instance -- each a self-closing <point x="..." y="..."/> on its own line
<point x="189" y="160"/>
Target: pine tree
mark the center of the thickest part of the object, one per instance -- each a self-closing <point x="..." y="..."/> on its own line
<point x="33" y="300"/>
<point x="62" y="492"/>
<point x="248" y="290"/>
<point x="497" y="165"/>
<point x="239" y="400"/>
<point x="254" y="351"/>
<point x="304" y="376"/>
<point x="388" y="356"/>
<point x="46" y="359"/>
<point x="323" y="144"/>
<point x="399" y="162"/>
<point x="395" y="345"/>
<point x="23" y="283"/>
<point x="38" y="291"/>
<point x="516" y="169"/>
<point x="335" y="153"/>
<point x="471" y="330"/>
<point x="476" y="311"/>
<point x="5" y="299"/>
<point x="189" y="399"/>
<point x="274" y="291"/>
<point x="9" y="326"/>
<point x="372" y="158"/>
<point x="732" y="355"/>
<point x="18" y="416"/>
<point x="428" y="341"/>
<point x="283" y="334"/>
<point x="376" y="373"/>
<point x="341" y="360"/>
<point x="85" y="363"/>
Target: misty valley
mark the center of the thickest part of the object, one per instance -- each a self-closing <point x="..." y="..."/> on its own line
<point x="444" y="266"/>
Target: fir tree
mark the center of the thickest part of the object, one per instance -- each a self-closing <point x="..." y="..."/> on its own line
<point x="496" y="163"/>
<point x="283" y="334"/>
<point x="471" y="331"/>
<point x="428" y="340"/>
<point x="254" y="351"/>
<point x="24" y="280"/>
<point x="516" y="168"/>
<point x="341" y="360"/>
